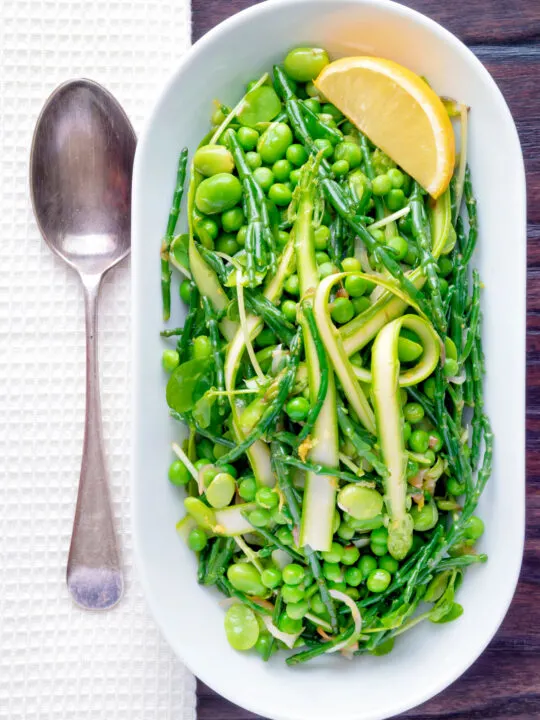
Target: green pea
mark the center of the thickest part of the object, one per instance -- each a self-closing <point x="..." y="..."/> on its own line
<point x="340" y="168"/>
<point x="351" y="264"/>
<point x="253" y="159"/>
<point x="206" y="230"/>
<point x="213" y="160"/>
<point x="419" y="441"/>
<point x="292" y="593"/>
<point x="271" y="577"/>
<point x="361" y="304"/>
<point x="353" y="576"/>
<point x="324" y="145"/>
<point x="282" y="170"/>
<point x="312" y="91"/>
<point x="345" y="531"/>
<point x="217" y="117"/>
<point x="202" y="462"/>
<point x="443" y="286"/>
<point x="282" y="238"/>
<point x="321" y="258"/>
<point x="202" y="347"/>
<point x="313" y="104"/>
<point x="264" y="177"/>
<point x="218" y="193"/>
<point x="178" y="473"/>
<point x="327" y="269"/>
<point x="220" y="451"/>
<point x="387" y="562"/>
<point x="297" y="408"/>
<point x="342" y="310"/>
<point x="293" y="574"/>
<point x="321" y="236"/>
<point x="305" y="63"/>
<point x="280" y="194"/>
<point x="426" y="518"/>
<point x="266" y="498"/>
<point x="396" y="178"/>
<point x="455" y="487"/>
<point x="408" y="351"/>
<point x="450" y="368"/>
<point x="296" y="611"/>
<point x="450" y="348"/>
<point x="294" y="177"/>
<point x="278" y="517"/>
<point x="332" y="110"/>
<point x="247" y="488"/>
<point x="406" y="432"/>
<point x="288" y="625"/>
<point x="332" y="571"/>
<point x="403" y="396"/>
<point x="378" y="580"/>
<point x="241" y="627"/>
<point x="412" y="256"/>
<point x="334" y="555"/>
<point x="367" y="565"/>
<point x="445" y="266"/>
<point x="474" y="529"/>
<point x="296" y="154"/>
<point x="221" y="490"/>
<point x="399" y="246"/>
<point x="247" y="137"/>
<point x="170" y="360"/>
<point x="377" y="234"/>
<point x="317" y="605"/>
<point x="200" y="512"/>
<point x="349" y="129"/>
<point x="413" y="412"/>
<point x="355" y="285"/>
<point x="207" y="474"/>
<point x="273" y="143"/>
<point x="350" y="555"/>
<point x="356" y="359"/>
<point x="429" y="388"/>
<point x="327" y="120"/>
<point x="241" y="236"/>
<point x="232" y="220"/>
<point x="260" y="104"/>
<point x="185" y="290"/>
<point x="381" y="185"/>
<point x="259" y="517"/>
<point x="379" y="536"/>
<point x="227" y="244"/>
<point x="350" y="152"/>
<point x="292" y="284"/>
<point x="289" y="309"/>
<point x="197" y="539"/>
<point x="395" y="200"/>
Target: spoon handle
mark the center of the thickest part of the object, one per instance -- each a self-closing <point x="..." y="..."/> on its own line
<point x="94" y="575"/>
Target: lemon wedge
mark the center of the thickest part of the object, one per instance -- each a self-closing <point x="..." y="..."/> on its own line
<point x="398" y="112"/>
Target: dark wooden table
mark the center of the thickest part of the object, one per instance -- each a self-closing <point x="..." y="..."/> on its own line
<point x="505" y="682"/>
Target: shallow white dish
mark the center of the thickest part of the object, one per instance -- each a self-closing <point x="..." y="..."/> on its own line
<point x="430" y="657"/>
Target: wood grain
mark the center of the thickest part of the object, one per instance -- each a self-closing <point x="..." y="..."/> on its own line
<point x="504" y="683"/>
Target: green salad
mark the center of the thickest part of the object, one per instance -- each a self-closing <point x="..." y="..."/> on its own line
<point x="329" y="371"/>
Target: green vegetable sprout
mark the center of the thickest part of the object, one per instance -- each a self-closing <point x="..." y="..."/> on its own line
<point x="329" y="372"/>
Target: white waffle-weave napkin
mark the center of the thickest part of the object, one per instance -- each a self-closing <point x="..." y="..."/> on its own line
<point x="56" y="661"/>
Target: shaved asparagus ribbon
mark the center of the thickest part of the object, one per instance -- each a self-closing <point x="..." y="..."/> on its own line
<point x="320" y="490"/>
<point x="357" y="333"/>
<point x="385" y="367"/>
<point x="348" y="375"/>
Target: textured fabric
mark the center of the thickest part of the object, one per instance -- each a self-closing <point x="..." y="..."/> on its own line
<point x="58" y="662"/>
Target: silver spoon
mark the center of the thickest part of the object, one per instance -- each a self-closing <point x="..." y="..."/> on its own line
<point x="80" y="182"/>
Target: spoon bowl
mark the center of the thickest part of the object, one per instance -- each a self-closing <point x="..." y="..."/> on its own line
<point x="80" y="183"/>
